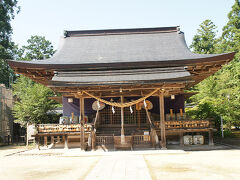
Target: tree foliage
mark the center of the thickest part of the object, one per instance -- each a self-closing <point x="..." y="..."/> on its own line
<point x="33" y="103"/>
<point x="32" y="98"/>
<point x="38" y="48"/>
<point x="205" y="39"/>
<point x="231" y="32"/>
<point x="219" y="94"/>
<point x="8" y="8"/>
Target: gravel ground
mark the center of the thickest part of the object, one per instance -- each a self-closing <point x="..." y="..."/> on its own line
<point x="45" y="167"/>
<point x="161" y="164"/>
<point x="216" y="164"/>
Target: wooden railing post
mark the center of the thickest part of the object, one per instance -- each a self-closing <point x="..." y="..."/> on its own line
<point x="210" y="133"/>
<point x="66" y="142"/>
<point x="45" y="141"/>
<point x="52" y="141"/>
<point x="38" y="142"/>
<point x="181" y="141"/>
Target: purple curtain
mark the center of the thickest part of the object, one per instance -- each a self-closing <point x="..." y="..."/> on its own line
<point x="175" y="104"/>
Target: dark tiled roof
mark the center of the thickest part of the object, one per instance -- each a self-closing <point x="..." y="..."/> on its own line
<point x="121" y="48"/>
<point x="143" y="76"/>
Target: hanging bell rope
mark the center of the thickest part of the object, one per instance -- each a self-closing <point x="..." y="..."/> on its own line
<point x="121" y="105"/>
<point x="95" y="120"/>
<point x="153" y="131"/>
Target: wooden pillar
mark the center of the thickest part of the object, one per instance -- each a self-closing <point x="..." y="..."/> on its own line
<point x="139" y="119"/>
<point x="52" y="141"/>
<point x="162" y="121"/>
<point x="122" y="123"/>
<point x="65" y="141"/>
<point x="82" y="137"/>
<point x="38" y="141"/>
<point x="72" y="117"/>
<point x="210" y="134"/>
<point x="27" y="135"/>
<point x="58" y="139"/>
<point x="152" y="136"/>
<point x="181" y="142"/>
<point x="93" y="140"/>
<point x="45" y="141"/>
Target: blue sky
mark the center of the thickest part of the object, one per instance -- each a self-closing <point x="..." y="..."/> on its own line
<point x="50" y="18"/>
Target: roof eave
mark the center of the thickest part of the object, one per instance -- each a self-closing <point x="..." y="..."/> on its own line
<point x="123" y="65"/>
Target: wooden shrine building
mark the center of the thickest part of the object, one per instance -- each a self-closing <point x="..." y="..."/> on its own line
<point x="125" y="85"/>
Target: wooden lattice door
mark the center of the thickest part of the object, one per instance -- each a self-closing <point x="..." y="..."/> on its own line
<point x="106" y="116"/>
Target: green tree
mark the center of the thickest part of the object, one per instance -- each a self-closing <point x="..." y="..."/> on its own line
<point x="8" y="8"/>
<point x="231" y="32"/>
<point x="220" y="92"/>
<point x="32" y="98"/>
<point x="38" y="48"/>
<point x="33" y="103"/>
<point x="205" y="40"/>
<point x="230" y="77"/>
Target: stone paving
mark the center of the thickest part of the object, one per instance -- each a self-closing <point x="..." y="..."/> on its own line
<point x="120" y="167"/>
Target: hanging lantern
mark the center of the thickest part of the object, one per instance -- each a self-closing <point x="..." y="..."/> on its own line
<point x="70" y="100"/>
<point x="113" y="110"/>
<point x="146" y="104"/>
<point x="98" y="104"/>
<point x="172" y="96"/>
<point x="131" y="110"/>
<point x="138" y="106"/>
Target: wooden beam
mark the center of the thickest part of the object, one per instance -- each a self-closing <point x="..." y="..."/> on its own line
<point x="108" y="89"/>
<point x="167" y="92"/>
<point x="162" y="120"/>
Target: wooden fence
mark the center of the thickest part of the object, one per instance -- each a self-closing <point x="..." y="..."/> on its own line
<point x="185" y="124"/>
<point x="141" y="139"/>
<point x="104" y="140"/>
<point x="137" y="140"/>
<point x="54" y="128"/>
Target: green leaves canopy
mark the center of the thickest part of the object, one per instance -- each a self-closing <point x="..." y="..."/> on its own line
<point x="219" y="95"/>
<point x="32" y="102"/>
<point x="205" y="39"/>
<point x="8" y="8"/>
<point x="38" y="48"/>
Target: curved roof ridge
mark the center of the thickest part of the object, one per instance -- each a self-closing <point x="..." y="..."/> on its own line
<point x="102" y="32"/>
